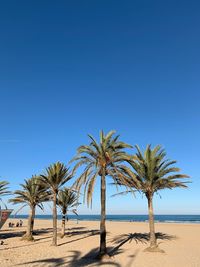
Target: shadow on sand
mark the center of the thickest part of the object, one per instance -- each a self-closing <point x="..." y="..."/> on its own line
<point x="11" y="234"/>
<point x="79" y="234"/>
<point x="75" y="260"/>
<point x="120" y="240"/>
<point x="85" y="233"/>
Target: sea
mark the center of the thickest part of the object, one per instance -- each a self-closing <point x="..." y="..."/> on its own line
<point x="125" y="218"/>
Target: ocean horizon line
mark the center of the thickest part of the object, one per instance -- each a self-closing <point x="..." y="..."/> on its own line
<point x="183" y="218"/>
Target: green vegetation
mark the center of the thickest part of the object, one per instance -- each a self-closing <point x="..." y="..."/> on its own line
<point x="149" y="173"/>
<point x="100" y="159"/>
<point x="33" y="194"/>
<point x="67" y="201"/>
<point x="4" y="188"/>
<point x="146" y="172"/>
<point x="55" y="177"/>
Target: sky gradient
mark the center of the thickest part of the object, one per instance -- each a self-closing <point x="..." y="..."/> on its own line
<point x="72" y="68"/>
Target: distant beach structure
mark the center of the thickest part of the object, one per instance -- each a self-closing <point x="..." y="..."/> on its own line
<point x="4" y="214"/>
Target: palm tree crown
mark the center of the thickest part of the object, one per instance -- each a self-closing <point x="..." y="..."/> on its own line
<point x="103" y="158"/>
<point x="56" y="176"/>
<point x="33" y="193"/>
<point x="152" y="172"/>
<point x="67" y="199"/>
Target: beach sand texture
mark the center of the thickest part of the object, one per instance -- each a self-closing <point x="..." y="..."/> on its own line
<point x="181" y="243"/>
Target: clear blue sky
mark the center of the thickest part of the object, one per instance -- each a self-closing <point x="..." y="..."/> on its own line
<point x="68" y="68"/>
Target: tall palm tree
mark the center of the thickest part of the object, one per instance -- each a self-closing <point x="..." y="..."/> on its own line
<point x="33" y="194"/>
<point x="100" y="160"/>
<point x="55" y="177"/>
<point x="151" y="172"/>
<point x="67" y="201"/>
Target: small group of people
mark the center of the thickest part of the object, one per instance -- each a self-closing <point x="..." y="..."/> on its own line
<point x="18" y="224"/>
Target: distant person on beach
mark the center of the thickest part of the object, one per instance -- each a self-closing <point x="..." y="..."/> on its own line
<point x="10" y="224"/>
<point x="20" y="223"/>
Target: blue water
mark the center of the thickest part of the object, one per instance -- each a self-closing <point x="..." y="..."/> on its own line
<point x="134" y="218"/>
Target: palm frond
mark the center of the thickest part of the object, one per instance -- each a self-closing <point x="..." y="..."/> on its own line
<point x="151" y="171"/>
<point x="56" y="175"/>
<point x="67" y="199"/>
<point x="33" y="193"/>
<point x="4" y="188"/>
<point x="99" y="157"/>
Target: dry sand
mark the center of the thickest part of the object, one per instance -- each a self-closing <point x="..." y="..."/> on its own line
<point x="181" y="243"/>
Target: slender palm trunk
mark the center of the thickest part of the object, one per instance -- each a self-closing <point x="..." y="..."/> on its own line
<point x="29" y="232"/>
<point x="32" y="220"/>
<point x="54" y="243"/>
<point x="63" y="226"/>
<point x="103" y="249"/>
<point x="153" y="242"/>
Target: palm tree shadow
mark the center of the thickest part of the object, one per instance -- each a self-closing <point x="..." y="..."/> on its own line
<point x="89" y="232"/>
<point x="75" y="260"/>
<point x="26" y="245"/>
<point x="53" y="262"/>
<point x="12" y="234"/>
<point x="163" y="236"/>
<point x="91" y="258"/>
<point x="43" y="231"/>
<point x="76" y="228"/>
<point x="85" y="233"/>
<point x="120" y="240"/>
<point x="9" y="233"/>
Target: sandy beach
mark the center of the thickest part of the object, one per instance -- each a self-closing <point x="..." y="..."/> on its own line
<point x="126" y="242"/>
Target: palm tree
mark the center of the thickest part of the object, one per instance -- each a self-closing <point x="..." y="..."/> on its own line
<point x="33" y="193"/>
<point x="150" y="173"/>
<point x="67" y="201"/>
<point x="55" y="177"/>
<point x="100" y="159"/>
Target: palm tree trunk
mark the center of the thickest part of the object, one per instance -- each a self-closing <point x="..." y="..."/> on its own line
<point x="29" y="232"/>
<point x="103" y="249"/>
<point x="153" y="243"/>
<point x="54" y="243"/>
<point x="32" y="219"/>
<point x="63" y="226"/>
